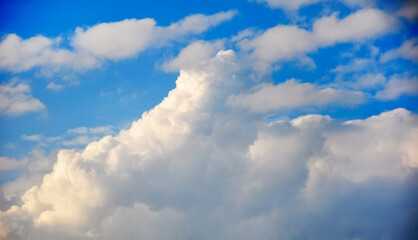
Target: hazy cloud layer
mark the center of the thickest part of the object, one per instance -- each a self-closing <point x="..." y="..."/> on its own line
<point x="198" y="167"/>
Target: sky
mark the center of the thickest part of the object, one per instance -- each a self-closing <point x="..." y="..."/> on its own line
<point x="235" y="119"/>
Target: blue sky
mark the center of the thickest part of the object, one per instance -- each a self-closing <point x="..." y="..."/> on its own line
<point x="265" y="85"/>
<point x="118" y="92"/>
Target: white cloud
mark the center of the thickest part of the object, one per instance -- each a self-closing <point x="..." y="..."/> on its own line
<point x="77" y="137"/>
<point x="288" y="4"/>
<point x="17" y="55"/>
<point x="34" y="137"/>
<point x="398" y="85"/>
<point x="80" y="140"/>
<point x="293" y="94"/>
<point x="368" y="81"/>
<point x="13" y="49"/>
<point x="41" y="139"/>
<point x="95" y="44"/>
<point x="193" y="55"/>
<point x="297" y="4"/>
<point x="127" y="38"/>
<point x="193" y="24"/>
<point x="115" y="40"/>
<point x="31" y="168"/>
<point x="78" y="130"/>
<point x="363" y="74"/>
<point x="55" y="86"/>
<point x="281" y="42"/>
<point x="363" y="24"/>
<point x="102" y="130"/>
<point x="355" y="65"/>
<point x="359" y="147"/>
<point x="408" y="50"/>
<point x="371" y="82"/>
<point x="286" y="41"/>
<point x="7" y="164"/>
<point x="16" y="99"/>
<point x="359" y="3"/>
<point x="199" y="168"/>
<point x="106" y="129"/>
<point x="345" y="151"/>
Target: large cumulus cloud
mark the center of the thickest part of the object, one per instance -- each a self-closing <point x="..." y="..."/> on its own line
<point x="196" y="167"/>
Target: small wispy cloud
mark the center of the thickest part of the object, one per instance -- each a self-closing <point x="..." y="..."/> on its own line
<point x="79" y="136"/>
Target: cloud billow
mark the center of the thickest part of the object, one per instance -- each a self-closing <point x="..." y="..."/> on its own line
<point x="199" y="167"/>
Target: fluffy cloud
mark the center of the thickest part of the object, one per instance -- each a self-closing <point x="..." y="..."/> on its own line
<point x="363" y="24"/>
<point x="398" y="85"/>
<point x="54" y="86"/>
<point x="31" y="169"/>
<point x="287" y="41"/>
<point x="293" y="94"/>
<point x="93" y="45"/>
<point x="408" y="50"/>
<point x="193" y="55"/>
<point x="9" y="164"/>
<point x="193" y="24"/>
<point x="347" y="160"/>
<point x="16" y="99"/>
<point x="281" y="42"/>
<point x="19" y="55"/>
<point x="115" y="40"/>
<point x="200" y="168"/>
